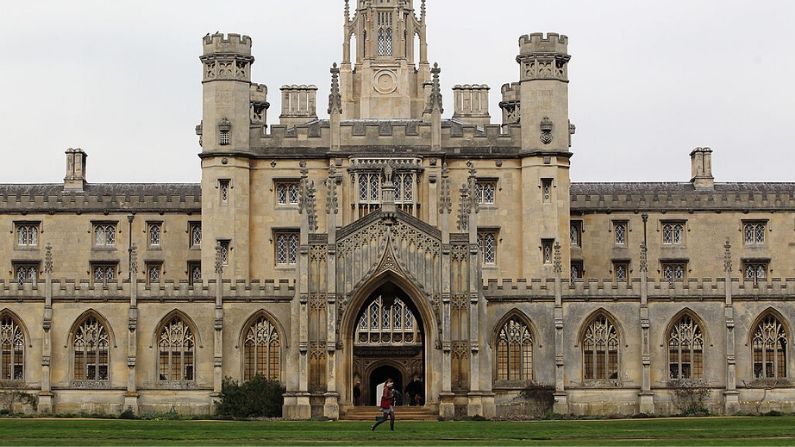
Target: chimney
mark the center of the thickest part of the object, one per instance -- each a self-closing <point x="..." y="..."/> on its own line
<point x="75" y="179"/>
<point x="701" y="169"/>
<point x="299" y="104"/>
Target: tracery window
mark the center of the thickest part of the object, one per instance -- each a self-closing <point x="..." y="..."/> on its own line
<point x="287" y="247"/>
<point x="287" y="192"/>
<point x="486" y="191"/>
<point x="27" y="234"/>
<point x="770" y="349"/>
<point x="754" y="270"/>
<point x="26" y="272"/>
<point x="369" y="191"/>
<point x="262" y="351"/>
<point x="686" y="350"/>
<point x="91" y="348"/>
<point x="104" y="235"/>
<point x="620" y="232"/>
<point x="154" y="234"/>
<point x="674" y="271"/>
<point x="754" y="232"/>
<point x="384" y="33"/>
<point x="12" y="349"/>
<point x="404" y="191"/>
<point x="621" y="271"/>
<point x="154" y="272"/>
<point x="176" y="347"/>
<point x="194" y="273"/>
<point x="103" y="273"/>
<point x="385" y="323"/>
<point x="195" y="233"/>
<point x="223" y="186"/>
<point x="673" y="233"/>
<point x="514" y="351"/>
<point x="224" y="244"/>
<point x="547" y="250"/>
<point x="487" y="243"/>
<point x="600" y="345"/>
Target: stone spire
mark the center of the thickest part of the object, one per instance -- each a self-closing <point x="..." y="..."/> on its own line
<point x="335" y="99"/>
<point x="435" y="99"/>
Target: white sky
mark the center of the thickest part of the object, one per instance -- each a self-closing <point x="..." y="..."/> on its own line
<point x="649" y="80"/>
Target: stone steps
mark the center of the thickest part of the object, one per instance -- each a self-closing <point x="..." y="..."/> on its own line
<point x="369" y="413"/>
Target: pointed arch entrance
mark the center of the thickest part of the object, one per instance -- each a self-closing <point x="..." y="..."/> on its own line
<point x="388" y="342"/>
<point x="387" y="331"/>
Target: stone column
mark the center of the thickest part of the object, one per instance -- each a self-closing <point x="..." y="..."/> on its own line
<point x="45" y="395"/>
<point x="331" y="408"/>
<point x="131" y="396"/>
<point x="731" y="397"/>
<point x="646" y="395"/>
<point x="218" y="328"/>
<point x="561" y="405"/>
<point x="446" y="405"/>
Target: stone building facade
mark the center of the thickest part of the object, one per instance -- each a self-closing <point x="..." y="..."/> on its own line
<point x="387" y="240"/>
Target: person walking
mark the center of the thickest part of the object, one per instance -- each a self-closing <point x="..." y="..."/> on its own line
<point x="387" y="406"/>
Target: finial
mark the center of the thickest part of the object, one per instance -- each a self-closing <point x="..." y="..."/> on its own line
<point x="48" y="258"/>
<point x="445" y="202"/>
<point x="727" y="257"/>
<point x="347" y="12"/>
<point x="335" y="98"/>
<point x="435" y="101"/>
<point x="332" y="204"/>
<point x="422" y="12"/>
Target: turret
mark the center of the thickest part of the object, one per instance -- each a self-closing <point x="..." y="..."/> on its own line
<point x="227" y="92"/>
<point x="543" y="114"/>
<point x="232" y="106"/>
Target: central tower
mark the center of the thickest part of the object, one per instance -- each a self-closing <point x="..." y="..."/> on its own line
<point x="384" y="80"/>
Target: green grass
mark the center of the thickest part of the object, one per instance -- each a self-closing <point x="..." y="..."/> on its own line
<point x="675" y="431"/>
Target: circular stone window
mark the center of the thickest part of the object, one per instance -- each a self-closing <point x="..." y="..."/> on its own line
<point x="385" y="82"/>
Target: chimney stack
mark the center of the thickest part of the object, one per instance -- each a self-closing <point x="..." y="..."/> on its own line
<point x="75" y="179"/>
<point x="701" y="169"/>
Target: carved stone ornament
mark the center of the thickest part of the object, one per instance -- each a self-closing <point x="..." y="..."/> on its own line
<point x="224" y="125"/>
<point x="546" y="127"/>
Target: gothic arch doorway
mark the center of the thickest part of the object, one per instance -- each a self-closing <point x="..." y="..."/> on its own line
<point x="388" y="340"/>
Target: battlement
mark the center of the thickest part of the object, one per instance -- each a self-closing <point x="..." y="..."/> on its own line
<point x="594" y="289"/>
<point x="72" y="290"/>
<point x="539" y="43"/>
<point x="227" y="44"/>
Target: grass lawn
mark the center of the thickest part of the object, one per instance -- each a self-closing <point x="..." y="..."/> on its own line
<point x="676" y="431"/>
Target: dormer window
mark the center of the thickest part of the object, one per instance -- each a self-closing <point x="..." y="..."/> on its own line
<point x="224" y="129"/>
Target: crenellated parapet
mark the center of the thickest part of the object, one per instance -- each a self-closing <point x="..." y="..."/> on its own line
<point x="227" y="57"/>
<point x="705" y="289"/>
<point x="544" y="57"/>
<point x="667" y="197"/>
<point x="101" y="198"/>
<point x="71" y="290"/>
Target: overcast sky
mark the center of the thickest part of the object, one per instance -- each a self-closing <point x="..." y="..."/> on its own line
<point x="649" y="80"/>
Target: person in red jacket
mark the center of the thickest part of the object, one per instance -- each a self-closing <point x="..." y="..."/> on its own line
<point x="387" y="406"/>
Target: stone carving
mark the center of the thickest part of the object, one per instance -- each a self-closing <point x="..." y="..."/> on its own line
<point x="727" y="257"/>
<point x="219" y="259"/>
<point x="48" y="259"/>
<point x="335" y="98"/>
<point x="133" y="260"/>
<point x="546" y="127"/>
<point x="435" y="100"/>
<point x="644" y="261"/>
<point x="306" y="199"/>
<point x="445" y="202"/>
<point x="332" y="203"/>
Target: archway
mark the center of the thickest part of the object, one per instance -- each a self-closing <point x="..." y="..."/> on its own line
<point x="388" y="340"/>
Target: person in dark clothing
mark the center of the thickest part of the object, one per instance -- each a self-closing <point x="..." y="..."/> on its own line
<point x="414" y="390"/>
<point x="387" y="406"/>
<point x="357" y="393"/>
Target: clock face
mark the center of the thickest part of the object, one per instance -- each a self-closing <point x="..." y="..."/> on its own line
<point x="385" y="82"/>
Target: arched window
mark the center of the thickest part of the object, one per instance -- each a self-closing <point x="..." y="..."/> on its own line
<point x="686" y="350"/>
<point x="176" y="347"/>
<point x="91" y="350"/>
<point x="770" y="349"/>
<point x="262" y="350"/>
<point x="12" y="349"/>
<point x="514" y="351"/>
<point x="600" y="349"/>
